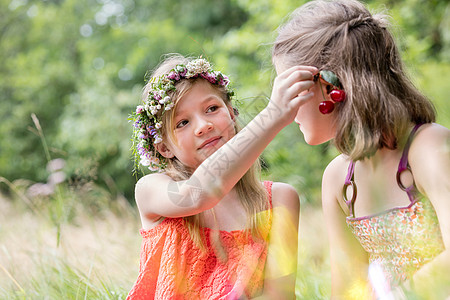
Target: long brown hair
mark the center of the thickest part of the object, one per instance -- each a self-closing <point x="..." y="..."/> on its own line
<point x="250" y="191"/>
<point x="344" y="37"/>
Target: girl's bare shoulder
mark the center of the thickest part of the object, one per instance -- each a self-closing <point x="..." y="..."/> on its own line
<point x="284" y="194"/>
<point x="152" y="179"/>
<point x="337" y="168"/>
<point x="429" y="155"/>
<point x="429" y="136"/>
<point x="149" y="184"/>
<point x="333" y="181"/>
<point x="431" y="144"/>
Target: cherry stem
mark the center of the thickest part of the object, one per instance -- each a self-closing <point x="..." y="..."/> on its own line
<point x="321" y="89"/>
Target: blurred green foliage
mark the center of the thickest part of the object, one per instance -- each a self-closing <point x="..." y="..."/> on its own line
<point x="79" y="65"/>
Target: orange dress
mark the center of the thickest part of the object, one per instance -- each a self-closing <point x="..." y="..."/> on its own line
<point x="173" y="267"/>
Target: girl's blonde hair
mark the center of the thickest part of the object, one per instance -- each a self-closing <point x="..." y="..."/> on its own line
<point x="344" y="37"/>
<point x="251" y="193"/>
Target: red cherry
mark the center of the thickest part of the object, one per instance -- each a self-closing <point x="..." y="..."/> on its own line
<point x="326" y="107"/>
<point x="337" y="95"/>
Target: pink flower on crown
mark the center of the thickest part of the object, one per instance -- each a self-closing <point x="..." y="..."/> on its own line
<point x="139" y="109"/>
<point x="226" y="81"/>
<point x="173" y="75"/>
<point x="156" y="96"/>
<point x="211" y="77"/>
<point x="154" y="164"/>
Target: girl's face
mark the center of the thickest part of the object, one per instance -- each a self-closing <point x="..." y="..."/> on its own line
<point x="316" y="127"/>
<point x="202" y="124"/>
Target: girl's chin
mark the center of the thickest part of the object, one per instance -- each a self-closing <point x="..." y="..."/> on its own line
<point x="310" y="140"/>
<point x="315" y="142"/>
<point x="316" y="139"/>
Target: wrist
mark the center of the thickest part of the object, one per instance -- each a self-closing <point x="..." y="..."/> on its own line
<point x="274" y="118"/>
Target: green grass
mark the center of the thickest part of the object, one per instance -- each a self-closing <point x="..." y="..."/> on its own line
<point x="94" y="255"/>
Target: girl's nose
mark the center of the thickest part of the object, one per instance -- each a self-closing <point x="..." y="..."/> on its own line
<point x="203" y="126"/>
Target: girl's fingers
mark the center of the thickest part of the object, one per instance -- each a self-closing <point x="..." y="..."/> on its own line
<point x="288" y="72"/>
<point x="296" y="75"/>
<point x="293" y="75"/>
<point x="301" y="98"/>
<point x="297" y="88"/>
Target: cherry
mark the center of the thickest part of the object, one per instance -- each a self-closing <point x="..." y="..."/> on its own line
<point x="337" y="95"/>
<point x="326" y="107"/>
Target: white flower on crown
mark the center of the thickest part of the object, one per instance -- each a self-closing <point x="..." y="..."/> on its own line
<point x="196" y="67"/>
<point x="144" y="161"/>
<point x="158" y="125"/>
<point x="169" y="106"/>
<point x="164" y="100"/>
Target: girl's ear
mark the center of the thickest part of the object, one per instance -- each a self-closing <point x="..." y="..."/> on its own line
<point x="231" y="110"/>
<point x="164" y="150"/>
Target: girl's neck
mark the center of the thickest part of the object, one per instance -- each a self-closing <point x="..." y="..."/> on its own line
<point x="385" y="156"/>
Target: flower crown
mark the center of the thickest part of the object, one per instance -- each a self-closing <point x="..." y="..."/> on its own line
<point x="147" y="119"/>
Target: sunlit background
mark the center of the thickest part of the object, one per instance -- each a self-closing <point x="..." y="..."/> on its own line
<point x="71" y="72"/>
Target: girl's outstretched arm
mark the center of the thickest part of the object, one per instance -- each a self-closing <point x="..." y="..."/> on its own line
<point x="158" y="195"/>
<point x="429" y="159"/>
<point x="347" y="258"/>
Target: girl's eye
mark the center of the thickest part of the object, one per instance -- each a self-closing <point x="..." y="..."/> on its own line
<point x="212" y="108"/>
<point x="181" y="124"/>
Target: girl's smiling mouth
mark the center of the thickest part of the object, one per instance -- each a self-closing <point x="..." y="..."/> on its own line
<point x="210" y="142"/>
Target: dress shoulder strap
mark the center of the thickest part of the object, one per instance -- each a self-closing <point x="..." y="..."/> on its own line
<point x="404" y="166"/>
<point x="268" y="186"/>
<point x="349" y="181"/>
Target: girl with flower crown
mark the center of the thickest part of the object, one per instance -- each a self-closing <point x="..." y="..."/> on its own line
<point x="211" y="229"/>
<point x="386" y="197"/>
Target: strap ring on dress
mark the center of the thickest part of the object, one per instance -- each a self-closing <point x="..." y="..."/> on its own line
<point x="344" y="192"/>
<point x="399" y="181"/>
